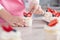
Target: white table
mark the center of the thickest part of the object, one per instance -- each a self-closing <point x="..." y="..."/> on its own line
<point x="34" y="33"/>
<point x="37" y="32"/>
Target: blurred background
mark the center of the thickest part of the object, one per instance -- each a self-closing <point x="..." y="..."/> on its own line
<point x="55" y="4"/>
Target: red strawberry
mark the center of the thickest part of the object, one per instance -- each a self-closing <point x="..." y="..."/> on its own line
<point x="7" y="29"/>
<point x="53" y="23"/>
<point x="57" y="14"/>
<point x="25" y="14"/>
<point x="10" y="28"/>
<point x="54" y="12"/>
<point x="29" y="14"/>
<point x="51" y="10"/>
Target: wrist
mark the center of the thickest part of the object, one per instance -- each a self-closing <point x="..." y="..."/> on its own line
<point x="4" y="14"/>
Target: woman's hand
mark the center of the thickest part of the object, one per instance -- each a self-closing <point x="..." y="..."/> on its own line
<point x="12" y="20"/>
<point x="16" y="21"/>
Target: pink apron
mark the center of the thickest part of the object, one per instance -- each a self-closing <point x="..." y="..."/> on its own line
<point x="15" y="7"/>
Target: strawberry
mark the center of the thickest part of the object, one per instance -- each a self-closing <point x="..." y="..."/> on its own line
<point x="51" y="10"/>
<point x="54" y="12"/>
<point x="29" y="14"/>
<point x="7" y="29"/>
<point x="57" y="14"/>
<point x="25" y="14"/>
<point x="10" y="28"/>
<point x="53" y="23"/>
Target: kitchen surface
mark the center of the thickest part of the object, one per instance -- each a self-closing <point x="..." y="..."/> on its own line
<point x="35" y="33"/>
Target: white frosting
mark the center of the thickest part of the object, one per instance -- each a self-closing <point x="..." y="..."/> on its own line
<point x="10" y="35"/>
<point x="28" y="21"/>
<point x="1" y="7"/>
<point x="47" y="16"/>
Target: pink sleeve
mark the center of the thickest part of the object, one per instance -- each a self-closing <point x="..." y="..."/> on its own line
<point x="15" y="7"/>
<point x="0" y="1"/>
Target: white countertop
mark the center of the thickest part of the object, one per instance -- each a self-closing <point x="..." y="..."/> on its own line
<point x="34" y="33"/>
